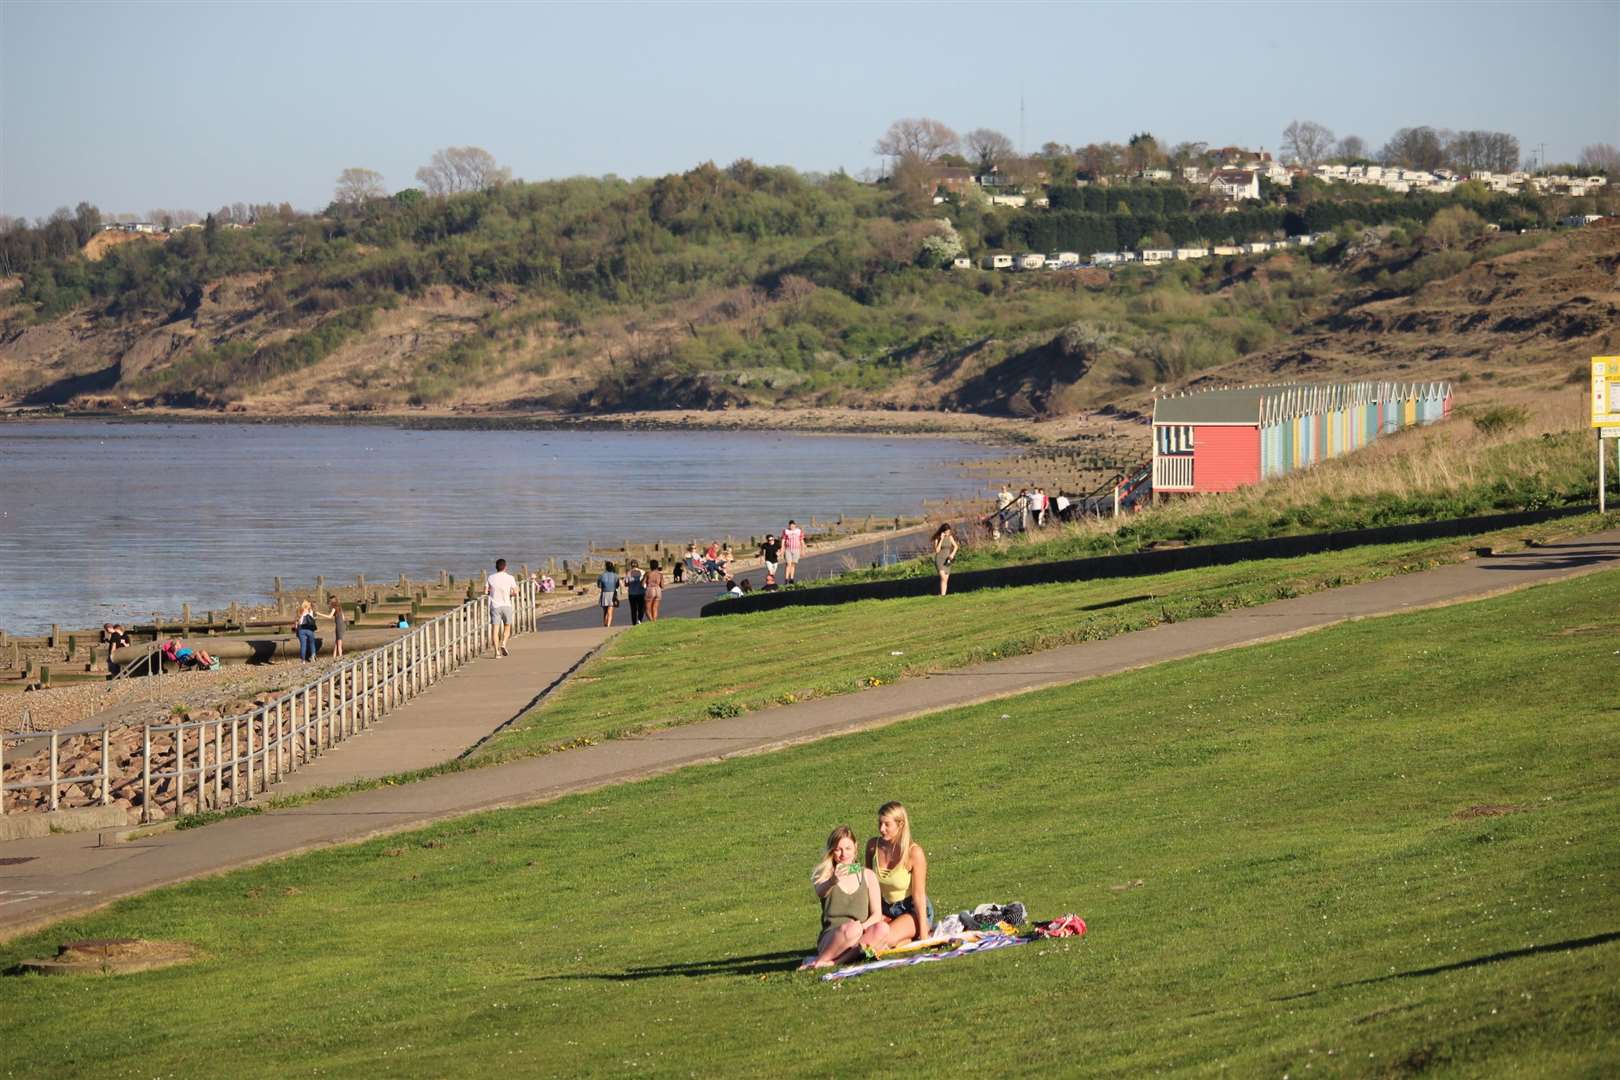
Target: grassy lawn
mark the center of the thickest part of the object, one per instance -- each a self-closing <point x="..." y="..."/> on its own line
<point x="1281" y="853"/>
<point x="681" y="671"/>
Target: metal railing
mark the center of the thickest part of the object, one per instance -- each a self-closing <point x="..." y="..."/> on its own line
<point x="196" y="765"/>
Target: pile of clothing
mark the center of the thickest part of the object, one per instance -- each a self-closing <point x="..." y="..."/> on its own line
<point x="984" y="917"/>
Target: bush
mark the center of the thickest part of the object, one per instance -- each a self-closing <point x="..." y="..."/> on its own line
<point x="1499" y="419"/>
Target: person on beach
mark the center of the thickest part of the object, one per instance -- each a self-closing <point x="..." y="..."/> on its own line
<point x="901" y="867"/>
<point x="945" y="548"/>
<point x="305" y="627"/>
<point x="635" y="588"/>
<point x="792" y="548"/>
<point x="655" y="589"/>
<point x="117" y="638"/>
<point x="607" y="587"/>
<point x="501" y="588"/>
<point x="850" y="904"/>
<point x="770" y="552"/>
<point x="334" y="611"/>
<point x="711" y="560"/>
<point x="726" y="559"/>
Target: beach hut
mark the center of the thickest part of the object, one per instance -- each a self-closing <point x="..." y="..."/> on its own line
<point x="1221" y="440"/>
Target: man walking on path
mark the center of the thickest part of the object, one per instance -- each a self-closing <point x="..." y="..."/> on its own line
<point x="500" y="587"/>
<point x="792" y="549"/>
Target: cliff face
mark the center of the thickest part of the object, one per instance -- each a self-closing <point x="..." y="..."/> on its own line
<point x="1528" y="317"/>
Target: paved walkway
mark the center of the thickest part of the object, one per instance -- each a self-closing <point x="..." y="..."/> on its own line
<point x="64" y="875"/>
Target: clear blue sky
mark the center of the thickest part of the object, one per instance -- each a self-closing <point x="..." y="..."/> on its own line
<point x="141" y="105"/>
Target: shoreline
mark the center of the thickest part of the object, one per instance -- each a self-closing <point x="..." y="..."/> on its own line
<point x="819" y="421"/>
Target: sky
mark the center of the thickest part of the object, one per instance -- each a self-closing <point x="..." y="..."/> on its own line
<point x="134" y="106"/>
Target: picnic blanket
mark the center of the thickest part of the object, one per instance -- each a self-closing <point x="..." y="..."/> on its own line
<point x="983" y="943"/>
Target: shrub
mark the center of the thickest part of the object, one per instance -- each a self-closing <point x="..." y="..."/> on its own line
<point x="1499" y="419"/>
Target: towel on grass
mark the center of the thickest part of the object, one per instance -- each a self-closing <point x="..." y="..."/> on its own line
<point x="988" y="941"/>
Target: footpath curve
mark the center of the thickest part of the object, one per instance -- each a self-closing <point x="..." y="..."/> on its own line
<point x="64" y="875"/>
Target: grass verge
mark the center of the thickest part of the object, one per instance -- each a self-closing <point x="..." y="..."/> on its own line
<point x="1360" y="852"/>
<point x="683" y="671"/>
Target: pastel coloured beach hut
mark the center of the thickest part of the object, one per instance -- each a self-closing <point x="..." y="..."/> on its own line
<point x="1220" y="440"/>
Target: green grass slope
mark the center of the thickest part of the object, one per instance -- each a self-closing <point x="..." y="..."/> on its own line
<point x="1379" y="850"/>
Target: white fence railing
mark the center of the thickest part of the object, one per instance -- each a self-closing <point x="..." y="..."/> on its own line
<point x="1172" y="471"/>
<point x="194" y="765"/>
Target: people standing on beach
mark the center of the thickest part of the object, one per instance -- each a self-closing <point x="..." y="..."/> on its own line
<point x="501" y="587"/>
<point x="607" y="586"/>
<point x="945" y="548"/>
<point x="335" y="613"/>
<point x="793" y="546"/>
<point x="305" y="626"/>
<point x="998" y="524"/>
<point x="635" y="588"/>
<point x="655" y="589"/>
<point x="770" y="552"/>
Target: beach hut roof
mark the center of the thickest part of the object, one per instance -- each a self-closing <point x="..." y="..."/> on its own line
<point x="1267" y="404"/>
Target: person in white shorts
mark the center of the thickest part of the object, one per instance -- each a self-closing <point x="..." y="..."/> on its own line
<point x="501" y="588"/>
<point x="792" y="548"/>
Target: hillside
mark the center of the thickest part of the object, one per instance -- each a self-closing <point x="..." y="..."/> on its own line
<point x="752" y="287"/>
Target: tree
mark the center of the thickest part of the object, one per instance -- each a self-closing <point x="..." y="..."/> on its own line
<point x="86" y="222"/>
<point x="1351" y="148"/>
<point x="1415" y="148"/>
<point x="1308" y="141"/>
<point x="1600" y="157"/>
<point x="922" y="138"/>
<point x="355" y="186"/>
<point x="462" y="168"/>
<point x="1099" y="160"/>
<point x="1143" y="152"/>
<point x="987" y="147"/>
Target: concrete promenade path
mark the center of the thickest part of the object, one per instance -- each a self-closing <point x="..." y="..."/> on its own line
<point x="63" y="875"/>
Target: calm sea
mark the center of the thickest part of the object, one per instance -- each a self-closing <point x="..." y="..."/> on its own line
<point x="112" y="521"/>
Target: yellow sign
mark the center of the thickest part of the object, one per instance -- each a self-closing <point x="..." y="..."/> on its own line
<point x="1605" y="391"/>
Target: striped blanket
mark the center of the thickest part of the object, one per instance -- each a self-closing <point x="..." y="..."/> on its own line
<point x="983" y="944"/>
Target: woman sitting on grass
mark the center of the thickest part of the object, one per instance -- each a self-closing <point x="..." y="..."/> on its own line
<point x="849" y="901"/>
<point x="902" y="874"/>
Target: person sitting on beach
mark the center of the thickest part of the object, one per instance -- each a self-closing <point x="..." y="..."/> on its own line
<point x="547" y="583"/>
<point x="901" y="867"/>
<point x="711" y="561"/>
<point x="726" y="559"/>
<point x="117" y="638"/>
<point x="404" y="622"/>
<point x="850" y="904"/>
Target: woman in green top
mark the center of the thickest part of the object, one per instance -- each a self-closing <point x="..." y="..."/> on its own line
<point x="849" y="900"/>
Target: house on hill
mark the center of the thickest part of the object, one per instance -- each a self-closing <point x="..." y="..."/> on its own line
<point x="1221" y="440"/>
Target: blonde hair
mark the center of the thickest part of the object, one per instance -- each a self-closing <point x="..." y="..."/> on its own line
<point x="824" y="868"/>
<point x="897" y="812"/>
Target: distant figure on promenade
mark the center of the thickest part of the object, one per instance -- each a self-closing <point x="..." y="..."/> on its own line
<point x="635" y="589"/>
<point x="655" y="589"/>
<point x="770" y="552"/>
<point x="335" y="613"/>
<point x="945" y="548"/>
<point x="1040" y="508"/>
<point x="548" y="584"/>
<point x="501" y="588"/>
<point x="607" y="586"/>
<point x="792" y="549"/>
<point x="305" y="627"/>
<point x="403" y="622"/>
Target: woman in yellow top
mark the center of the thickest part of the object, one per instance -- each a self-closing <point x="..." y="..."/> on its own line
<point x="901" y="867"/>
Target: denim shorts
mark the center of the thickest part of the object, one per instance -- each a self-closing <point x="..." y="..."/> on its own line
<point x="905" y="907"/>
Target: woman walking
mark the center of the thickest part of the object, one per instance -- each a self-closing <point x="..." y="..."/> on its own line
<point x="945" y="548"/>
<point x="635" y="587"/>
<point x="655" y="589"/>
<point x="306" y="631"/>
<point x="607" y="586"/>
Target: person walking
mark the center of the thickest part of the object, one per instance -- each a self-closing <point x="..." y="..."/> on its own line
<point x="945" y="548"/>
<point x="305" y="626"/>
<point x="770" y="552"/>
<point x="335" y="613"/>
<point x="607" y="587"/>
<point x="655" y="589"/>
<point x="635" y="588"/>
<point x="501" y="588"/>
<point x="792" y="550"/>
